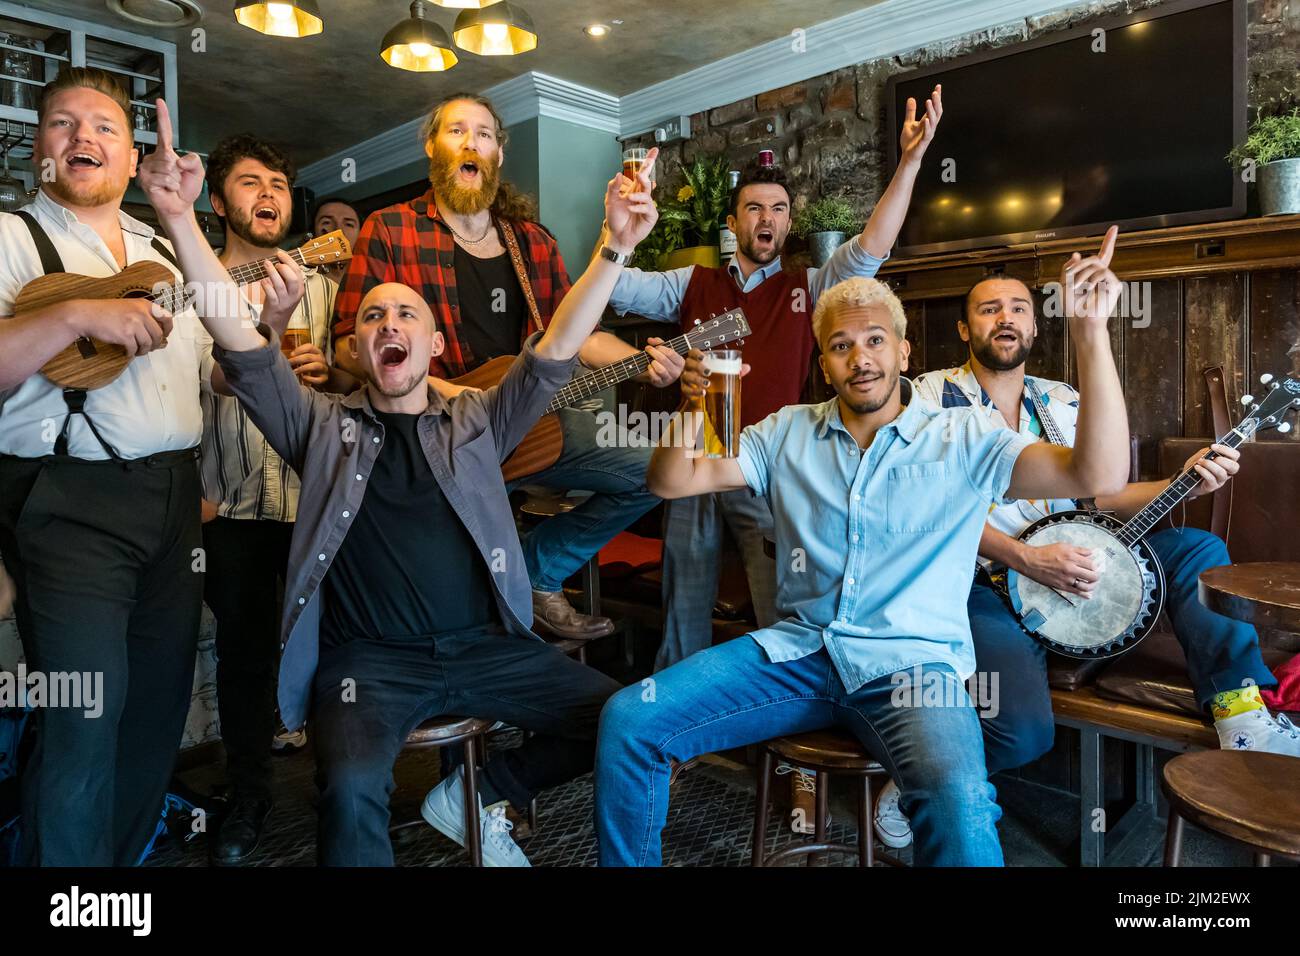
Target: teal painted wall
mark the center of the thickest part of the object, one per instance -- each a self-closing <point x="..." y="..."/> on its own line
<point x="574" y="165"/>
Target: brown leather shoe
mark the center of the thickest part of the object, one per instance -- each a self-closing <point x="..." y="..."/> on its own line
<point x="553" y="614"/>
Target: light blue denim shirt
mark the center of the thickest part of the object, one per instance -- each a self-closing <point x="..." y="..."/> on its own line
<point x="658" y="295"/>
<point x="875" y="549"/>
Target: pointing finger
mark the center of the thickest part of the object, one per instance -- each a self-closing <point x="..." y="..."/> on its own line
<point x="164" y="123"/>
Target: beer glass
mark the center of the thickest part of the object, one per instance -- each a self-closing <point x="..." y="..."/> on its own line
<point x="722" y="404"/>
<point x="295" y="335"/>
<point x="633" y="159"/>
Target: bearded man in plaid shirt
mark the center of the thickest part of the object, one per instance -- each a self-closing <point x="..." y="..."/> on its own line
<point x="451" y="246"/>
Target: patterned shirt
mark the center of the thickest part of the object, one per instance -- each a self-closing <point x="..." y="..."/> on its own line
<point x="959" y="388"/>
<point x="240" y="470"/>
<point x="412" y="244"/>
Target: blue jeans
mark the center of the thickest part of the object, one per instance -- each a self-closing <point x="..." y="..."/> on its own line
<point x="1222" y="654"/>
<point x="692" y="556"/>
<point x="558" y="547"/>
<point x="732" y="695"/>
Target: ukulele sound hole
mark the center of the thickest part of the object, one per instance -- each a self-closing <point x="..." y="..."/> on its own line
<point x="87" y="348"/>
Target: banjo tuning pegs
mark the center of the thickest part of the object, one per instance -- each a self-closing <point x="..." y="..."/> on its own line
<point x="1248" y="400"/>
<point x="1266" y="378"/>
<point x="1284" y="427"/>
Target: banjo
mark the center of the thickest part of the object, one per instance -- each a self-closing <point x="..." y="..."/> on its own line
<point x="1131" y="591"/>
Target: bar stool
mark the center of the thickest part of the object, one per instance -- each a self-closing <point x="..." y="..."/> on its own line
<point x="445" y="732"/>
<point x="828" y="753"/>
<point x="1249" y="798"/>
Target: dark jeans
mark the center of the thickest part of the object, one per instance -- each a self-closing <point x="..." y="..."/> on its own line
<point x="103" y="555"/>
<point x="559" y="547"/>
<point x="1222" y="654"/>
<point x="368" y="695"/>
<point x="246" y="558"/>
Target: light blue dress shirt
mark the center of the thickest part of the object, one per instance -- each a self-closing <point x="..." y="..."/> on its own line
<point x="658" y="295"/>
<point x="875" y="548"/>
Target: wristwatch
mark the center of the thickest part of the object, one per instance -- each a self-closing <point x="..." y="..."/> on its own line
<point x="621" y="258"/>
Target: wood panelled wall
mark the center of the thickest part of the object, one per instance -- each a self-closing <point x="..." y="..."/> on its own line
<point x="1245" y="321"/>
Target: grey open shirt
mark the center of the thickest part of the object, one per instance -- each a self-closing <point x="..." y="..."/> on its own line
<point x="333" y="442"/>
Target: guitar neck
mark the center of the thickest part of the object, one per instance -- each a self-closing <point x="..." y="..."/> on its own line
<point x="175" y="299"/>
<point x="1171" y="497"/>
<point x="602" y="378"/>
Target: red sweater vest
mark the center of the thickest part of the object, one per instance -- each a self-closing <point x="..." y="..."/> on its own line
<point x="780" y="344"/>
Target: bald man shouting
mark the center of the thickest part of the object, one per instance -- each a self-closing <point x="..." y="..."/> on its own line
<point x="407" y="596"/>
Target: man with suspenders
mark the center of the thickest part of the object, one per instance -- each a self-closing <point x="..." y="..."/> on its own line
<point x="99" y="493"/>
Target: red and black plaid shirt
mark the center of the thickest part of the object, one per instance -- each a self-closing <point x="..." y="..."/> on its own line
<point x="411" y="244"/>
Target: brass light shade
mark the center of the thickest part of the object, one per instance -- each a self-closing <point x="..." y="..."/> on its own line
<point x="416" y="44"/>
<point x="280" y="18"/>
<point x="501" y="29"/>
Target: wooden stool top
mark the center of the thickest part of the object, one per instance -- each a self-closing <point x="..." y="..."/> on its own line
<point x="1263" y="593"/>
<point x="1253" y="798"/>
<point x="832" y="749"/>
<point x="444" y="730"/>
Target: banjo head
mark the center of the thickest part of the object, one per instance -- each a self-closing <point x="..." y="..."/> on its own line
<point x="1123" y="607"/>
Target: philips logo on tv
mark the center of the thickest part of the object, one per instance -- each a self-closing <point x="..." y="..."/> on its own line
<point x="1045" y="235"/>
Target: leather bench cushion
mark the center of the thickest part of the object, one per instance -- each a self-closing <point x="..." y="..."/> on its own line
<point x="1154" y="674"/>
<point x="1265" y="497"/>
<point x="1070" y="673"/>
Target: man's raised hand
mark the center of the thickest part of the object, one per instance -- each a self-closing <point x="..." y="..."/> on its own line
<point x="1089" y="287"/>
<point x="629" y="218"/>
<point x="172" y="183"/>
<point x="917" y="134"/>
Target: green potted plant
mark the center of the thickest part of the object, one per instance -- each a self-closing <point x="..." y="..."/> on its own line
<point x="825" y="223"/>
<point x="1273" y="146"/>
<point x="696" y="209"/>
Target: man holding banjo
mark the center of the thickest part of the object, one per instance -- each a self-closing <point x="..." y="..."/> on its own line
<point x="1223" y="655"/>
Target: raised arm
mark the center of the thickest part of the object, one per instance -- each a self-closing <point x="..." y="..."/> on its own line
<point x="678" y="470"/>
<point x="629" y="219"/>
<point x="886" y="220"/>
<point x="255" y="371"/>
<point x="1098" y="463"/>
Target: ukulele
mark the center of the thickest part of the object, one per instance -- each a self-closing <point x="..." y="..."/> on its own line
<point x="88" y="363"/>
<point x="542" y="446"/>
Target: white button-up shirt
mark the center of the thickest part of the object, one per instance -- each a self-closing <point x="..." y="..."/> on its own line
<point x="152" y="407"/>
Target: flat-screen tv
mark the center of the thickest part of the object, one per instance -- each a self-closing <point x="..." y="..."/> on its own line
<point x="1125" y="120"/>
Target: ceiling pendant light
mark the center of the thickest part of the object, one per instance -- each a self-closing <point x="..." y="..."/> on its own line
<point x="502" y="29"/>
<point x="280" y="18"/>
<point x="418" y="45"/>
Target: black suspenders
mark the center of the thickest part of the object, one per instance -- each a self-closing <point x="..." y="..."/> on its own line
<point x="74" y="398"/>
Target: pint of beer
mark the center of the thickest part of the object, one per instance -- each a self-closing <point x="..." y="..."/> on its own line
<point x="294" y="337"/>
<point x="722" y="404"/>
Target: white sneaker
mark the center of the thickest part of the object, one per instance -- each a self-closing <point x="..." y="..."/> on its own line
<point x="286" y="741"/>
<point x="444" y="810"/>
<point x="892" y="826"/>
<point x="1259" y="730"/>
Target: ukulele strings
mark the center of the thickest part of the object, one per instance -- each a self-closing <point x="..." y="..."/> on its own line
<point x="175" y="298"/>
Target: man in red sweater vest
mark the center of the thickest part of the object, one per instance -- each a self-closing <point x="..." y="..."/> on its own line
<point x="778" y="304"/>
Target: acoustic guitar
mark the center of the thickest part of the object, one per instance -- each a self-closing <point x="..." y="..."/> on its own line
<point x="88" y="363"/>
<point x="542" y="446"/>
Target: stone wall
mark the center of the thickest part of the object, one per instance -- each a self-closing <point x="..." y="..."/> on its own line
<point x="829" y="132"/>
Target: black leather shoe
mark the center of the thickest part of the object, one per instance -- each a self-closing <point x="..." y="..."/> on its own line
<point x="240" y="832"/>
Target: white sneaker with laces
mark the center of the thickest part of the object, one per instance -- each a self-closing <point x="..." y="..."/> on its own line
<point x="892" y="827"/>
<point x="1259" y="730"/>
<point x="444" y="810"/>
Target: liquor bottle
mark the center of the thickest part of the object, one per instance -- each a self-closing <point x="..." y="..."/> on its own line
<point x="727" y="238"/>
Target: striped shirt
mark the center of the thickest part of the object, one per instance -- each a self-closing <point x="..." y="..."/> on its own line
<point x="959" y="388"/>
<point x="241" y="472"/>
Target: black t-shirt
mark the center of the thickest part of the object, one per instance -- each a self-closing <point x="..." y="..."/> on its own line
<point x="492" y="305"/>
<point x="408" y="567"/>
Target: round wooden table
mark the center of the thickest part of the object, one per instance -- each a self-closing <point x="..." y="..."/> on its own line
<point x="1266" y="593"/>
<point x="1251" y="798"/>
